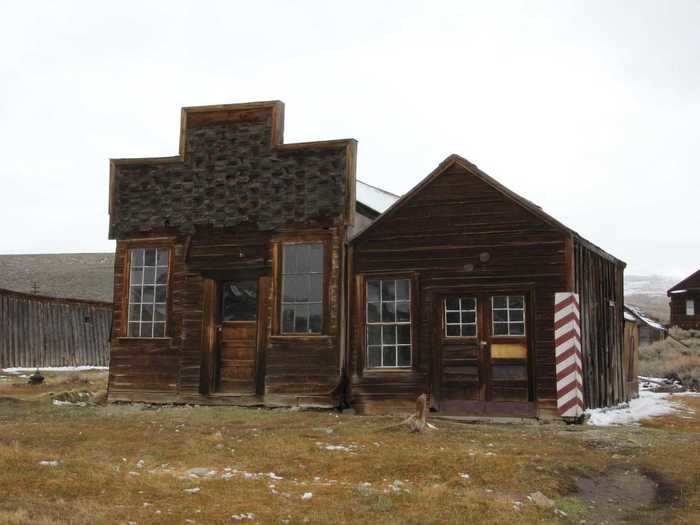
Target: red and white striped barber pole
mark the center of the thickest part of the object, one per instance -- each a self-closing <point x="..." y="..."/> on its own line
<point x="567" y="341"/>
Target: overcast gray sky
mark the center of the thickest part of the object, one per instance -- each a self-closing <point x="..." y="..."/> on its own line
<point x="590" y="109"/>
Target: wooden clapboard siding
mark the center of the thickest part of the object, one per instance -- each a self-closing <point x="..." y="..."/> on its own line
<point x="686" y="290"/>
<point x="459" y="231"/>
<point x="444" y="227"/>
<point x="47" y="331"/>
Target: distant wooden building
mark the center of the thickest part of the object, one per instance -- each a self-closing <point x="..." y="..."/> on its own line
<point x="252" y="271"/>
<point x="631" y="353"/>
<point x="39" y="331"/>
<point x="685" y="303"/>
<point x="650" y="330"/>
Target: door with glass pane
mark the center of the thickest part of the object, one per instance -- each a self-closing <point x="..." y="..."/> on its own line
<point x="508" y="347"/>
<point x="237" y="334"/>
<point x="462" y="356"/>
<point x="483" y="340"/>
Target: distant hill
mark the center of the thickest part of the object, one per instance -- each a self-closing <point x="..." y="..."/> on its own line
<point x="74" y="275"/>
<point x="648" y="292"/>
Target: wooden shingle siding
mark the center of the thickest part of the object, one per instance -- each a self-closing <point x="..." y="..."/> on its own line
<point x="50" y="332"/>
<point x="233" y="172"/>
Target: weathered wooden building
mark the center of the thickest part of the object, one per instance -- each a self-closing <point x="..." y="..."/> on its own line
<point x="453" y="294"/>
<point x="39" y="331"/>
<point x="650" y="330"/>
<point x="631" y="353"/>
<point x="246" y="271"/>
<point x="685" y="303"/>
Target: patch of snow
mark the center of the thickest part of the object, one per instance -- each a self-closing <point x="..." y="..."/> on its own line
<point x="49" y="463"/>
<point x="200" y="472"/>
<point x="343" y="448"/>
<point x="193" y="490"/>
<point x="647" y="405"/>
<point x="307" y="496"/>
<point x="243" y="516"/>
<point x="59" y="403"/>
<point x="54" y="369"/>
<point x="376" y="198"/>
<point x="463" y="475"/>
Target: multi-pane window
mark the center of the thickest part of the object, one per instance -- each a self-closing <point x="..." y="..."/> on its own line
<point x="388" y="323"/>
<point x="302" y="288"/>
<point x="690" y="307"/>
<point x="508" y="314"/>
<point x="460" y="317"/>
<point x="148" y="291"/>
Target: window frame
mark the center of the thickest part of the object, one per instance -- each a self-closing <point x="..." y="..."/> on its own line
<point x="277" y="262"/>
<point x="126" y="286"/>
<point x="690" y="305"/>
<point x="445" y="311"/>
<point x="492" y="317"/>
<point x="362" y="333"/>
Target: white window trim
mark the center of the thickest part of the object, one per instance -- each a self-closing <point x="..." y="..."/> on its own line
<point x="141" y="286"/>
<point x="475" y="324"/>
<point x="690" y="307"/>
<point x="395" y="323"/>
<point x="509" y="322"/>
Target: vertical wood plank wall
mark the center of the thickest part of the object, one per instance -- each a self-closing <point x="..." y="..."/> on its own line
<point x="40" y="331"/>
<point x="599" y="283"/>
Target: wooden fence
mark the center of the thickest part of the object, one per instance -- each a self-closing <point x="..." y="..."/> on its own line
<point x="37" y="331"/>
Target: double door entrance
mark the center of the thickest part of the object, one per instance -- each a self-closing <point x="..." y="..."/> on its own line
<point x="483" y="341"/>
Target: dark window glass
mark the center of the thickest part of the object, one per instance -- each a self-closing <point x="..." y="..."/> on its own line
<point x="460" y="316"/>
<point x="148" y="292"/>
<point x="388" y="323"/>
<point x="302" y="288"/>
<point x="239" y="301"/>
<point x="508" y="314"/>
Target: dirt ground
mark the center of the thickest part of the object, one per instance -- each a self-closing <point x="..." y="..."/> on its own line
<point x="67" y="458"/>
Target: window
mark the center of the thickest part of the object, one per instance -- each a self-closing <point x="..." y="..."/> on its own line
<point x="508" y="315"/>
<point x="460" y="317"/>
<point x="239" y="301"/>
<point x="302" y="288"/>
<point x="148" y="291"/>
<point x="689" y="307"/>
<point x="388" y="323"/>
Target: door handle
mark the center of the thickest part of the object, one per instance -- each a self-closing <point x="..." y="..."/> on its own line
<point x="219" y="328"/>
<point x="483" y="343"/>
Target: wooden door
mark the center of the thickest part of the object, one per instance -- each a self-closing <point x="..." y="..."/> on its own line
<point x="484" y="346"/>
<point x="238" y="337"/>
<point x="462" y="356"/>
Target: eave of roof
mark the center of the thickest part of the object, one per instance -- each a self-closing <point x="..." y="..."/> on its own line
<point x="682" y="285"/>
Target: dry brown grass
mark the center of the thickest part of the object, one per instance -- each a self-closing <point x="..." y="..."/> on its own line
<point x="669" y="359"/>
<point x="99" y="447"/>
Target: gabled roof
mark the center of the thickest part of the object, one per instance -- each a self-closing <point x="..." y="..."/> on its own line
<point x="692" y="282"/>
<point x="374" y="198"/>
<point x="457" y="160"/>
<point x="638" y="315"/>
